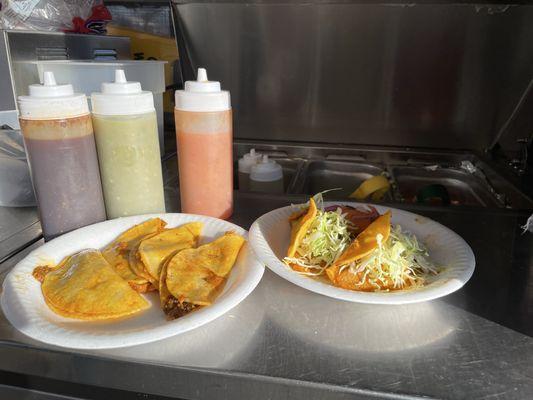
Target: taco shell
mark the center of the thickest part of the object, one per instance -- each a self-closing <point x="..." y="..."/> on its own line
<point x="117" y="253"/>
<point x="85" y="286"/>
<point x="300" y="223"/>
<point x="153" y="251"/>
<point x="364" y="244"/>
<point x="196" y="276"/>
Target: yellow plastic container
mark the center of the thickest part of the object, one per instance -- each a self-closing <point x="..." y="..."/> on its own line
<point x="145" y="46"/>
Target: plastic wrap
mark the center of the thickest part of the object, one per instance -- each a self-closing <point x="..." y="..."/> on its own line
<point x="154" y="19"/>
<point x="44" y="15"/>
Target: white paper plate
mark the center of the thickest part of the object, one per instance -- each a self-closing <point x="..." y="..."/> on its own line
<point x="24" y="306"/>
<point x="270" y="234"/>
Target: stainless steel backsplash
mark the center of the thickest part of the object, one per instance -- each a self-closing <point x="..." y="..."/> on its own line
<point x="426" y="75"/>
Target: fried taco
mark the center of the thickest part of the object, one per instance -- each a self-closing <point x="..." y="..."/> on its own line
<point x="118" y="252"/>
<point x="364" y="244"/>
<point x="355" y="248"/>
<point x="85" y="286"/>
<point x="195" y="277"/>
<point x="138" y="267"/>
<point x="154" y="250"/>
<point x="319" y="236"/>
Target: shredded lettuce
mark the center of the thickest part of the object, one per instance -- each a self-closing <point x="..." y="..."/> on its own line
<point x="326" y="239"/>
<point x="401" y="259"/>
<point x="319" y="198"/>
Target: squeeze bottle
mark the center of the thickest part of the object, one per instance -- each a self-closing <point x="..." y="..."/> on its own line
<point x="245" y="165"/>
<point x="125" y="127"/>
<point x="266" y="176"/>
<point x="58" y="135"/>
<point x="204" y="138"/>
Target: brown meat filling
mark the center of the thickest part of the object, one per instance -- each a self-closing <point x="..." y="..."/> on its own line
<point x="174" y="308"/>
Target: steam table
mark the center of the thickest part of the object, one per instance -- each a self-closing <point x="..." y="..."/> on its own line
<point x="286" y="342"/>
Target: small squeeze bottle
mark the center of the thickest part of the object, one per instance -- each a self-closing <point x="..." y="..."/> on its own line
<point x="266" y="176"/>
<point x="245" y="166"/>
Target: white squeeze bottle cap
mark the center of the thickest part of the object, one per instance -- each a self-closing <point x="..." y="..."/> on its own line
<point x="122" y="97"/>
<point x="202" y="95"/>
<point x="50" y="100"/>
<point x="248" y="160"/>
<point x="266" y="171"/>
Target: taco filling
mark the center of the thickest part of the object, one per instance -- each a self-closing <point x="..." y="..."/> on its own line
<point x="356" y="248"/>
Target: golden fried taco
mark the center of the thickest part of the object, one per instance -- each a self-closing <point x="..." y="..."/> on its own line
<point x="153" y="251"/>
<point x="118" y="252"/>
<point x="195" y="277"/>
<point x="363" y="245"/>
<point x="300" y="222"/>
<point x="356" y="248"/>
<point x="85" y="286"/>
<point x="138" y="267"/>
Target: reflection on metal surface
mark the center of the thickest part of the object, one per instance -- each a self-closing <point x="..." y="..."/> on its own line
<point x="19" y="226"/>
<point x="463" y="187"/>
<point x="352" y="328"/>
<point x="435" y="75"/>
<point x="219" y="344"/>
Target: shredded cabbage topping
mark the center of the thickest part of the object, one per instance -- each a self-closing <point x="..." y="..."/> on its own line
<point x="326" y="239"/>
<point x="400" y="260"/>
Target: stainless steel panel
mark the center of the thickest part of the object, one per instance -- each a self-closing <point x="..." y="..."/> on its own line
<point x="372" y="154"/>
<point x="7" y="100"/>
<point x="29" y="45"/>
<point x="286" y="342"/>
<point x="345" y="176"/>
<point x="463" y="188"/>
<point x="290" y="168"/>
<point x="19" y="226"/>
<point x="12" y="392"/>
<point x="425" y="75"/>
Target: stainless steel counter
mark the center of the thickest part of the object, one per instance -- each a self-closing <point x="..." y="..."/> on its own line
<point x="286" y="342"/>
<point x="18" y="227"/>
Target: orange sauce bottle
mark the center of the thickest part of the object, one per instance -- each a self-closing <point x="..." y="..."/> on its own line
<point x="204" y="136"/>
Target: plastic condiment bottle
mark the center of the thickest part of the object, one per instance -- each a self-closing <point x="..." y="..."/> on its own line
<point x="125" y="126"/>
<point x="266" y="176"/>
<point x="59" y="140"/>
<point x="245" y="166"/>
<point x="204" y="138"/>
